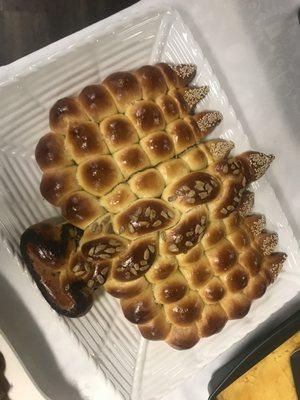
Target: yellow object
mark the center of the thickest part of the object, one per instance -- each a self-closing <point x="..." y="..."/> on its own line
<point x="270" y="379"/>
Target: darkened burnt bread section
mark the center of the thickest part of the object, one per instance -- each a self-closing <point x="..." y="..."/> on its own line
<point x="46" y="249"/>
<point x="143" y="217"/>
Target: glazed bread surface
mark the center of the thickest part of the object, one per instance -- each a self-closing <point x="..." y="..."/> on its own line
<point x="156" y="215"/>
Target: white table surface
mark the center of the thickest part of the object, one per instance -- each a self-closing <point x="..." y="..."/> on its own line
<point x="253" y="47"/>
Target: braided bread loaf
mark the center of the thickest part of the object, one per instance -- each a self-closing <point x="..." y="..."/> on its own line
<point x="156" y="217"/>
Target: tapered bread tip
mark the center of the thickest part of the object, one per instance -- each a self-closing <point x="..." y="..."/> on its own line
<point x="185" y="72"/>
<point x="255" y="164"/>
<point x="193" y="95"/>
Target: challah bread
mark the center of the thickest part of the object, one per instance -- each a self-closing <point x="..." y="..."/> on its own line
<point x="157" y="216"/>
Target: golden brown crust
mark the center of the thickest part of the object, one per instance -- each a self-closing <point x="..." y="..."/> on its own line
<point x="118" y="132"/>
<point x="98" y="175"/>
<point x="147" y="117"/>
<point x="148" y="183"/>
<point x="165" y="215"/>
<point x="181" y="134"/>
<point x="118" y="199"/>
<point x="64" y="112"/>
<point x="140" y="309"/>
<point x="213" y="320"/>
<point x="168" y="106"/>
<point x="152" y="82"/>
<point x="81" y="209"/>
<point x="56" y="184"/>
<point x="97" y="102"/>
<point x="84" y="140"/>
<point x="182" y="338"/>
<point x="131" y="159"/>
<point x="158" y="147"/>
<point x="124" y="88"/>
<point x="50" y="152"/>
<point x="156" y="329"/>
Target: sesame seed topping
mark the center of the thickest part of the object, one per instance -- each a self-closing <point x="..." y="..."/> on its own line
<point x="219" y="149"/>
<point x="144" y="223"/>
<point x="191" y="200"/>
<point x="79" y="273"/>
<point x="164" y="214"/>
<point x="260" y="163"/>
<point x="144" y="268"/>
<point x="152" y="214"/>
<point x="173" y="248"/>
<point x="269" y="243"/>
<point x="133" y="271"/>
<point x="170" y="213"/>
<point x="100" y="279"/>
<point x="209" y="120"/>
<point x="76" y="268"/>
<point x="131" y="228"/>
<point x="90" y="283"/>
<point x="99" y="248"/>
<point x="110" y="250"/>
<point x="184" y="70"/>
<point x="146" y="254"/>
<point x="172" y="198"/>
<point x="91" y="251"/>
<point x="104" y="271"/>
<point x="197" y="228"/>
<point x="104" y="256"/>
<point x="157" y="223"/>
<point x="258" y="225"/>
<point x="151" y="248"/>
<point x="191" y="193"/>
<point x="193" y="95"/>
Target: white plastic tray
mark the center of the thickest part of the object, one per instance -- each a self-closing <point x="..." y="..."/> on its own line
<point x="28" y="88"/>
